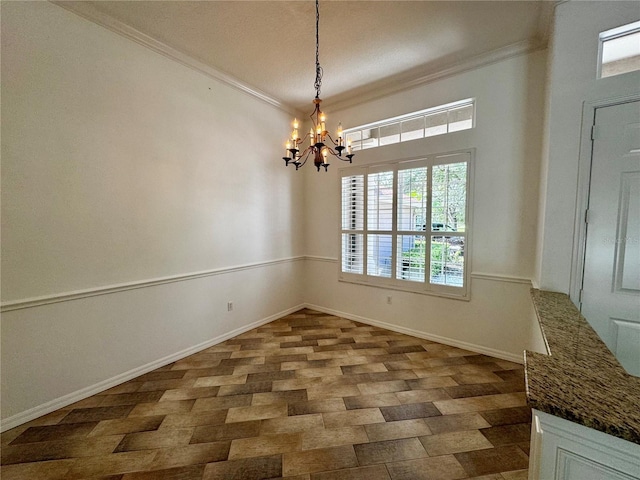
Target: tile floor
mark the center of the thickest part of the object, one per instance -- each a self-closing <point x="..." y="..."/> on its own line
<point x="307" y="397"/>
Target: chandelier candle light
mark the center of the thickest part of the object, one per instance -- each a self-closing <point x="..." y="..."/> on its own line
<point x="318" y="134"/>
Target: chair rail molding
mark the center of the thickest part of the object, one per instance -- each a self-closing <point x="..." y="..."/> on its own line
<point x="121" y="287"/>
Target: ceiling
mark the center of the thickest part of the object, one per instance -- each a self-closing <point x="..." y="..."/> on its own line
<point x="366" y="47"/>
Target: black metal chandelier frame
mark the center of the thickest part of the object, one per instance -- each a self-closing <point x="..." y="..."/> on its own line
<point x="318" y="134"/>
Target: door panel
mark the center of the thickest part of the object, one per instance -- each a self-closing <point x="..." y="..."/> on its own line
<point x="628" y="259"/>
<point x="626" y="337"/>
<point x="611" y="282"/>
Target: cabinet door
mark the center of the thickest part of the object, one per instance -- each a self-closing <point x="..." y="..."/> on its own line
<point x="563" y="450"/>
<point x="571" y="466"/>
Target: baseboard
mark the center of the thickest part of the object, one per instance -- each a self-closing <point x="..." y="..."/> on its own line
<point x="427" y="336"/>
<point x="53" y="405"/>
<point x="48" y="407"/>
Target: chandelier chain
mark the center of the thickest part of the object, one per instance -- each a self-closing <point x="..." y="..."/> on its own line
<point x="318" y="82"/>
<point x="321" y="144"/>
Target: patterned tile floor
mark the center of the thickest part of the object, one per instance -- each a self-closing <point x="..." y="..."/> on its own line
<point x="307" y="397"/>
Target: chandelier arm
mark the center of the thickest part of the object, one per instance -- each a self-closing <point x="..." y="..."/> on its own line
<point x="315" y="115"/>
<point x="308" y="150"/>
<point x="304" y="152"/>
<point x="303" y="139"/>
<point x="335" y="154"/>
<point x="330" y="150"/>
<point x="338" y="145"/>
<point x="332" y="140"/>
<point x="346" y="158"/>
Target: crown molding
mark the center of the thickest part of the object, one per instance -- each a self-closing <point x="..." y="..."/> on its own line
<point x="389" y="86"/>
<point x="394" y="85"/>
<point x="89" y="12"/>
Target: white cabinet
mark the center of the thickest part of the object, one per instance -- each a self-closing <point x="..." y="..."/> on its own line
<point x="563" y="450"/>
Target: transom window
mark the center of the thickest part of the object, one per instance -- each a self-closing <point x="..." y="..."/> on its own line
<point x="438" y="120"/>
<point x="619" y="50"/>
<point x="406" y="224"/>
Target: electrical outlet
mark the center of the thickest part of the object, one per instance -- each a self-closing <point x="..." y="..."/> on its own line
<point x="229" y="306"/>
<point x="389" y="299"/>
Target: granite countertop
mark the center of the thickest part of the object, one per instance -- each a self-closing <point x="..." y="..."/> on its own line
<point x="580" y="380"/>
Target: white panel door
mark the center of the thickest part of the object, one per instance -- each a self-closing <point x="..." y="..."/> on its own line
<point x="611" y="283"/>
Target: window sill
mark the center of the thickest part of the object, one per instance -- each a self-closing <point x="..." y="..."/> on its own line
<point x="465" y="295"/>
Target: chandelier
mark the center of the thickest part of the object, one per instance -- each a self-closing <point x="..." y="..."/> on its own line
<point x="318" y="137"/>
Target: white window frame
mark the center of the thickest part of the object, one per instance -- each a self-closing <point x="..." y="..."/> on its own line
<point x="426" y="287"/>
<point x="440" y="109"/>
<point x="612" y="34"/>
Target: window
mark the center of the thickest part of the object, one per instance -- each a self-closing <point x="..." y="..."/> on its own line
<point x="439" y="120"/>
<point x="406" y="225"/>
<point x="619" y="50"/>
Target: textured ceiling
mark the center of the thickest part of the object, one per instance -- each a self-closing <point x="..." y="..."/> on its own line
<point x="364" y="45"/>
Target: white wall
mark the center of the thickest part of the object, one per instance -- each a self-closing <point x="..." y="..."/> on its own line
<point x="122" y="178"/>
<point x="507" y="137"/>
<point x="121" y="167"/>
<point x="572" y="82"/>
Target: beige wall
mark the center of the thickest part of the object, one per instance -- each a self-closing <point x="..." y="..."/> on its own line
<point x="122" y="169"/>
<point x="572" y="82"/>
<point x="121" y="165"/>
<point x="122" y="180"/>
<point x="507" y="138"/>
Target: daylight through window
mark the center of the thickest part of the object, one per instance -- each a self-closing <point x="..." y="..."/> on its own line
<point x="406" y="224"/>
<point x="619" y="50"/>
